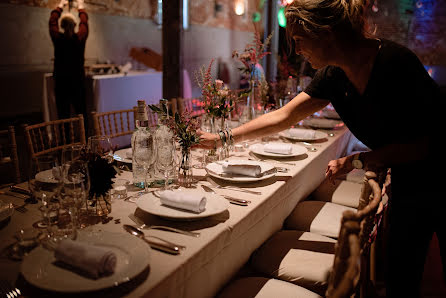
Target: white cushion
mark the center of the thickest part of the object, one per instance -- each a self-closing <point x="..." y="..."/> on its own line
<point x="318" y="217"/>
<point x="344" y="192"/>
<point x="302" y="258"/>
<point x="261" y="287"/>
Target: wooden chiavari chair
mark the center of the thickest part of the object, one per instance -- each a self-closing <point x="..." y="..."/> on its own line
<point x="8" y="152"/>
<point x="342" y="282"/>
<point x="114" y="123"/>
<point x="53" y="136"/>
<point x="304" y="257"/>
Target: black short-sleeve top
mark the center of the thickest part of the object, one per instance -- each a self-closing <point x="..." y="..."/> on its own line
<point x="400" y="101"/>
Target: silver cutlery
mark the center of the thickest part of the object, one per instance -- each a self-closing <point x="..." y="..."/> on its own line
<point x="19" y="189"/>
<point x="231" y="200"/>
<point x="169" y="248"/>
<point x="234" y="188"/>
<point x="142" y="225"/>
<point x="269" y="159"/>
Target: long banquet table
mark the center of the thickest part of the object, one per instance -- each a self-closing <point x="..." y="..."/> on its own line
<point x="227" y="240"/>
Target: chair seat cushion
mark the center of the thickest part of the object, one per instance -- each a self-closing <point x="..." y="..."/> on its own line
<point x="343" y="192"/>
<point x="302" y="258"/>
<point x="261" y="287"/>
<point x="318" y="217"/>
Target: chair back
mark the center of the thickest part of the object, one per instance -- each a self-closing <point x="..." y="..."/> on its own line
<point x="8" y="152"/>
<point x="53" y="136"/>
<point x="369" y="204"/>
<point x="114" y="124"/>
<point x="345" y="275"/>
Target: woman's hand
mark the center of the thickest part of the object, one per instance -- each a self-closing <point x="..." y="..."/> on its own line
<point x="208" y="140"/>
<point x="338" y="167"/>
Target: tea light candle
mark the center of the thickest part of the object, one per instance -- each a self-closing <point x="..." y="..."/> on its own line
<point x="238" y="148"/>
<point x="120" y="192"/>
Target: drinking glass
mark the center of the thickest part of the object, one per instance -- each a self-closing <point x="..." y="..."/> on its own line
<point x="102" y="146"/>
<point x="206" y="127"/>
<point x="144" y="155"/>
<point x="44" y="182"/>
<point x="166" y="158"/>
<point x="74" y="193"/>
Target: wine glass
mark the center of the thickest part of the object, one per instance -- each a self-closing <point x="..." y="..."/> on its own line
<point x="74" y="192"/>
<point x="166" y="158"/>
<point x="144" y="155"/>
<point x="44" y="182"/>
<point x="206" y="127"/>
<point x="102" y="146"/>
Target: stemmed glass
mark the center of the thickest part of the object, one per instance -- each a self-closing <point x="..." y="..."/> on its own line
<point x="144" y="155"/>
<point x="75" y="184"/>
<point x="102" y="146"/>
<point x="44" y="182"/>
<point x="206" y="127"/>
<point x="166" y="158"/>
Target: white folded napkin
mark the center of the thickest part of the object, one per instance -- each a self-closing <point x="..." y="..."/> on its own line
<point x="129" y="153"/>
<point x="278" y="148"/>
<point x="241" y="169"/>
<point x="302" y="133"/>
<point x="192" y="201"/>
<point x="94" y="260"/>
<point x="5" y="210"/>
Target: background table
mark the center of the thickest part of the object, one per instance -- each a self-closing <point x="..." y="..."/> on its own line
<point x="227" y="240"/>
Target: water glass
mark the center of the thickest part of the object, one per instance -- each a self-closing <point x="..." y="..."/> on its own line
<point x="102" y="146"/>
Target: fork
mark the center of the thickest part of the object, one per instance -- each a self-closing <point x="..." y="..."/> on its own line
<point x="142" y="225"/>
<point x="8" y="290"/>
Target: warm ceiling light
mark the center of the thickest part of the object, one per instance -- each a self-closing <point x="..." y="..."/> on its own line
<point x="239" y="7"/>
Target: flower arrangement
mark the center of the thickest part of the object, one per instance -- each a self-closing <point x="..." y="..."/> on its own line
<point x="184" y="126"/>
<point x="253" y="53"/>
<point x="218" y="98"/>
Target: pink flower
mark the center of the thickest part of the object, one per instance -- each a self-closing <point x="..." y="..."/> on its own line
<point x="219" y="84"/>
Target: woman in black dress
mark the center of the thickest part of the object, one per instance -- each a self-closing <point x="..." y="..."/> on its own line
<point x="389" y="102"/>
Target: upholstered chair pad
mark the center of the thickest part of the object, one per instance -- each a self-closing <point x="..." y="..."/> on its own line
<point x="302" y="258"/>
<point x="261" y="287"/>
<point x="343" y="192"/>
<point x="318" y="217"/>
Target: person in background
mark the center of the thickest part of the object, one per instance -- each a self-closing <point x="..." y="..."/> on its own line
<point x="386" y="98"/>
<point x="69" y="48"/>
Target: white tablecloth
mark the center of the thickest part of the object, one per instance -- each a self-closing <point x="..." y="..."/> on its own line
<point x="110" y="92"/>
<point x="227" y="240"/>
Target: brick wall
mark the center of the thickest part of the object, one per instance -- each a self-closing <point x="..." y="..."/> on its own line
<point x="418" y="24"/>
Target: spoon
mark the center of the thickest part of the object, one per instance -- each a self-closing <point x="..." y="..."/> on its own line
<point x="171" y="249"/>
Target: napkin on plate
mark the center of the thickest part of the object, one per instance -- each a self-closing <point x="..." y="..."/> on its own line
<point x="94" y="260"/>
<point x="278" y="148"/>
<point x="192" y="201"/>
<point x="129" y="153"/>
<point x="301" y="133"/>
<point x="241" y="169"/>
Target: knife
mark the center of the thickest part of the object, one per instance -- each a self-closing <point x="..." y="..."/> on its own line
<point x="230" y="199"/>
<point x="19" y="189"/>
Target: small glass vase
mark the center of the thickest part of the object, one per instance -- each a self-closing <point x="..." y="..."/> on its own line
<point x="223" y="152"/>
<point x="185" y="175"/>
<point x="99" y="205"/>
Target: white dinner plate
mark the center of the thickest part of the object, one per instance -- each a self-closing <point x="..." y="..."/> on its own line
<point x="46" y="177"/>
<point x="330" y="114"/>
<point x="321" y="123"/>
<point x="295" y="150"/>
<point x="150" y="203"/>
<point x="215" y="170"/>
<point x="121" y="155"/>
<point x="318" y="135"/>
<point x="133" y="256"/>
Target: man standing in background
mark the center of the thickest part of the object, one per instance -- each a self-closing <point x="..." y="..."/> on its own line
<point x="69" y="49"/>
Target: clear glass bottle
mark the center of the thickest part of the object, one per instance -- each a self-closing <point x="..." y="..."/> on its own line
<point x="141" y="136"/>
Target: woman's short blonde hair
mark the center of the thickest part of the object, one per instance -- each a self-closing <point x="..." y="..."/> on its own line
<point x="313" y="17"/>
